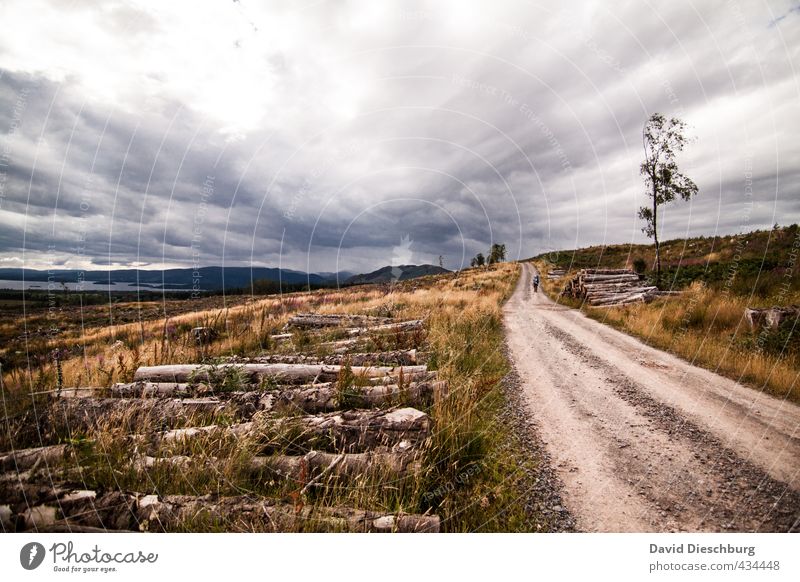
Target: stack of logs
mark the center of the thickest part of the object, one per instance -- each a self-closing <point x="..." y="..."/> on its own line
<point x="556" y="273"/>
<point x="771" y="318"/>
<point x="609" y="287"/>
<point x="355" y="327"/>
<point x="310" y="420"/>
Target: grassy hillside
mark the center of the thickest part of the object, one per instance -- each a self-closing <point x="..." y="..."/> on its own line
<point x="719" y="278"/>
<point x="749" y="264"/>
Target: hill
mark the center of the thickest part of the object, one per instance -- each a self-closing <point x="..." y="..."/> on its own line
<point x="748" y="263"/>
<point x="208" y="278"/>
<point x="396" y="273"/>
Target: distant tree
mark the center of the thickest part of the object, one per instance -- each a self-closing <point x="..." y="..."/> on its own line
<point x="441" y="262"/>
<point x="639" y="265"/>
<point x="478" y="260"/>
<point x="662" y="138"/>
<point x="497" y="254"/>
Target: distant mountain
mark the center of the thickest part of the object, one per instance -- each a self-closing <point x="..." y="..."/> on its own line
<point x="340" y="276"/>
<point x="207" y="278"/>
<point x="396" y="273"/>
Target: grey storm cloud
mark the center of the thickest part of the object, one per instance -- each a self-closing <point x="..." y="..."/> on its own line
<point x="327" y="138"/>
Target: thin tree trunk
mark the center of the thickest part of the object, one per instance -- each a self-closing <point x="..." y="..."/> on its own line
<point x="655" y="234"/>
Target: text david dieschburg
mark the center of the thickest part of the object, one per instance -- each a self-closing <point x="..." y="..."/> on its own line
<point x="750" y="551"/>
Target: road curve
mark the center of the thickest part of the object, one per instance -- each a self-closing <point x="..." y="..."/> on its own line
<point x="644" y="441"/>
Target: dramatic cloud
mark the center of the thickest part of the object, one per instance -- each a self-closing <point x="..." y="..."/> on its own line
<point x="318" y="137"/>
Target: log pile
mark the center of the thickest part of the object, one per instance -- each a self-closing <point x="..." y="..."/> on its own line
<point x="257" y="373"/>
<point x="64" y="509"/>
<point x="770" y="318"/>
<point x="609" y="287"/>
<point x="311" y="421"/>
<point x="556" y="273"/>
<point x="356" y="327"/>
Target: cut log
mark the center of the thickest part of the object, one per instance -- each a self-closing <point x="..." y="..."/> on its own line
<point x="204" y="335"/>
<point x="771" y="318"/>
<point x="24" y="459"/>
<point x="133" y="511"/>
<point x="283" y="373"/>
<point x="145" y="389"/>
<point x="603" y="271"/>
<point x="351" y="465"/>
<point x="82" y="392"/>
<point x="402" y="326"/>
<point x="296" y="467"/>
<point x="397" y="357"/>
<point x="632" y="277"/>
<point x="341" y="346"/>
<point x="81" y="414"/>
<point x="329" y="397"/>
<point x="319" y="320"/>
<point x="351" y="431"/>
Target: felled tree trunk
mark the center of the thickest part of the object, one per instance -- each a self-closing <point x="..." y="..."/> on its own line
<point x="132" y="511"/>
<point x="330" y="397"/>
<point x="388" y="327"/>
<point x="283" y="373"/>
<point x="81" y="414"/>
<point x="24" y="459"/>
<point x="303" y="468"/>
<point x="318" y="320"/>
<point x="145" y="389"/>
<point x="395" y="358"/>
<point x="352" y="431"/>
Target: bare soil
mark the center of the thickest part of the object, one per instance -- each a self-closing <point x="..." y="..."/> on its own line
<point x="643" y="441"/>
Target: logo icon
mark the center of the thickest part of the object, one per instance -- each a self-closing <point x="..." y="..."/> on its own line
<point x="31" y="555"/>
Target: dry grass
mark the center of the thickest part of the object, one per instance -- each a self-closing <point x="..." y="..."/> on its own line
<point x="707" y="328"/>
<point x="468" y="473"/>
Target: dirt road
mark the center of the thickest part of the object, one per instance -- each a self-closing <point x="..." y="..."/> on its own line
<point x="643" y="441"/>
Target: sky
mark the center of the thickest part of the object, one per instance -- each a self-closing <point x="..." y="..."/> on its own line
<point x="347" y="135"/>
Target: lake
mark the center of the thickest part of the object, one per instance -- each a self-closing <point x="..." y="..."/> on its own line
<point x="84" y="286"/>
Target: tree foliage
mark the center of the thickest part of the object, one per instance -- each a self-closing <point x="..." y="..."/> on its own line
<point x="662" y="139"/>
<point x="497" y="254"/>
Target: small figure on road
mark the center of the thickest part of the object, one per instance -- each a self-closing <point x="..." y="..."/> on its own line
<point x="536" y="283"/>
